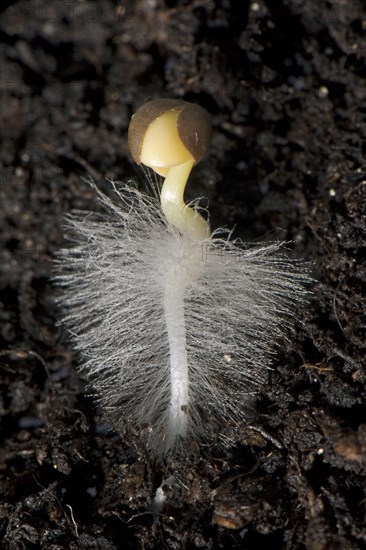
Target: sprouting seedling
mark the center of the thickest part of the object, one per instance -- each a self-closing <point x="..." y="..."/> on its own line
<point x="176" y="326"/>
<point x="171" y="136"/>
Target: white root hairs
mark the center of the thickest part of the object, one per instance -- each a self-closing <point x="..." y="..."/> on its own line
<point x="175" y="335"/>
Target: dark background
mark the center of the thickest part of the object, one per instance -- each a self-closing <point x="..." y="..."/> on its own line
<point x="285" y="83"/>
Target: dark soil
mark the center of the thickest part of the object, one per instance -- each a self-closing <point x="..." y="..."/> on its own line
<point x="285" y="82"/>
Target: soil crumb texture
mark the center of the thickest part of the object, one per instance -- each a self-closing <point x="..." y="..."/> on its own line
<point x="285" y="84"/>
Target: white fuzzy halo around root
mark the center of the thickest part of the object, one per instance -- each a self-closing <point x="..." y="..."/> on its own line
<point x="175" y="335"/>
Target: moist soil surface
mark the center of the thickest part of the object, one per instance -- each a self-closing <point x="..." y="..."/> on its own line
<point x="285" y="84"/>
